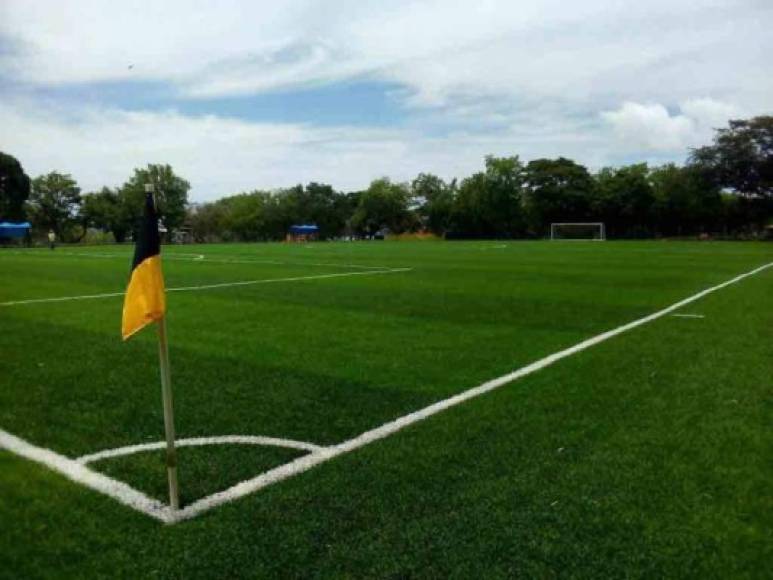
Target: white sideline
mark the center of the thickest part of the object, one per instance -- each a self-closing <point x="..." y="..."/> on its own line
<point x="178" y="256"/>
<point x="78" y="473"/>
<point x="211" y="286"/>
<point x="133" y="498"/>
<point x="688" y="315"/>
<point x="307" y="462"/>
<point x="196" y="441"/>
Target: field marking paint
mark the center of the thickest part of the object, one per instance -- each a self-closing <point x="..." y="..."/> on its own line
<point x="308" y="461"/>
<point x="197" y="441"/>
<point x="129" y="496"/>
<point x="178" y="257"/>
<point x="79" y="473"/>
<point x="688" y="316"/>
<point x="212" y="286"/>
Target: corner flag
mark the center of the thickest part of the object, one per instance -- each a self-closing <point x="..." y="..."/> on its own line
<point x="145" y="301"/>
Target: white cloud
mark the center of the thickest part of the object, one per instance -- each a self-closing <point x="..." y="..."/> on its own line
<point x="520" y="77"/>
<point x="651" y="128"/>
<point x="221" y="156"/>
<point x="439" y="50"/>
<point x="709" y="112"/>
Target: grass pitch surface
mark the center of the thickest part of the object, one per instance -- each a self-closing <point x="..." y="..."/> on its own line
<point x="646" y="455"/>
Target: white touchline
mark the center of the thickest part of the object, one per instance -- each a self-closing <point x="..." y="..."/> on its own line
<point x="133" y="498"/>
<point x="211" y="286"/>
<point x="688" y="315"/>
<point x="197" y="441"/>
<point x="219" y="259"/>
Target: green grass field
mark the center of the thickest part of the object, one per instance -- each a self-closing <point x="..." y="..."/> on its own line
<point x="648" y="455"/>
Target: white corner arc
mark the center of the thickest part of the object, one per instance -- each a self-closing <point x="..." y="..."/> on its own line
<point x="199" y="441"/>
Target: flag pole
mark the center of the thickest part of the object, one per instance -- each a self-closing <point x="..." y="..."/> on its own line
<point x="166" y="392"/>
<point x="166" y="395"/>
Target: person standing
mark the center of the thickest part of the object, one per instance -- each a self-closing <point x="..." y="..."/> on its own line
<point x="51" y="239"/>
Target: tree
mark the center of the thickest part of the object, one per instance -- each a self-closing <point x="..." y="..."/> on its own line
<point x="741" y="157"/>
<point x="685" y="202"/>
<point x="489" y="203"/>
<point x="14" y="189"/>
<point x="383" y="205"/>
<point x="556" y="190"/>
<point x="171" y="194"/>
<point x="317" y="203"/>
<point x="54" y="202"/>
<point x="624" y="200"/>
<point x="206" y="221"/>
<point x="252" y="216"/>
<point x="435" y="199"/>
<point x="503" y="203"/>
<point x="107" y="210"/>
<point x="467" y="217"/>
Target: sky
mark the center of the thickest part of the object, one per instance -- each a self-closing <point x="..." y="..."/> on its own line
<point x="252" y="94"/>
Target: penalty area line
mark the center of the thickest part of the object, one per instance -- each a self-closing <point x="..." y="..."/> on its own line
<point x="211" y="286"/>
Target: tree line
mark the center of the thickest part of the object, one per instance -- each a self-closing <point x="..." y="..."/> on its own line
<point x="725" y="188"/>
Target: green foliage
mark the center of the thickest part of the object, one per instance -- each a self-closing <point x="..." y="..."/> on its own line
<point x="741" y="157"/>
<point x="54" y="203"/>
<point x="108" y="211"/>
<point x="557" y="190"/>
<point x="318" y="204"/>
<point x="624" y="200"/>
<point x="506" y="200"/>
<point x="14" y="189"/>
<point x="685" y="202"/>
<point x="261" y="215"/>
<point x="490" y="203"/>
<point x="171" y="194"/>
<point x="383" y="205"/>
<point x="435" y="200"/>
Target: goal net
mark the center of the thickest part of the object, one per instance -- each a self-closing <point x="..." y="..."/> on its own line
<point x="577" y="231"/>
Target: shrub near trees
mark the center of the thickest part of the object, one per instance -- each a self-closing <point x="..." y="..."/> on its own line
<point x="725" y="188"/>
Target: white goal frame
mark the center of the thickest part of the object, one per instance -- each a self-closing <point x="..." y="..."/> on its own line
<point x="600" y="225"/>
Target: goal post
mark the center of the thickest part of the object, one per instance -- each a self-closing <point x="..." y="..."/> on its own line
<point x="580" y="231"/>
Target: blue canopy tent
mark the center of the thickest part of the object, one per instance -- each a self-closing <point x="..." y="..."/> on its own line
<point x="14" y="230"/>
<point x="302" y="233"/>
<point x="304" y="229"/>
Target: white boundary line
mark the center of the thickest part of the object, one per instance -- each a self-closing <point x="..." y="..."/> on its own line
<point x="133" y="498"/>
<point x="307" y="462"/>
<point x="202" y="258"/>
<point x="196" y="441"/>
<point x="78" y="473"/>
<point x="688" y="315"/>
<point x="211" y="286"/>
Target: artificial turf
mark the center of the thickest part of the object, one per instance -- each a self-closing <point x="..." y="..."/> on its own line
<point x="648" y="455"/>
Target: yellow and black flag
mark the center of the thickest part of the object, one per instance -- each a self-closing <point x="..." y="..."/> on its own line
<point x="145" y="301"/>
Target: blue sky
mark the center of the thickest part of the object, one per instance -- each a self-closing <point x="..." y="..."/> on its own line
<point x="238" y="95"/>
